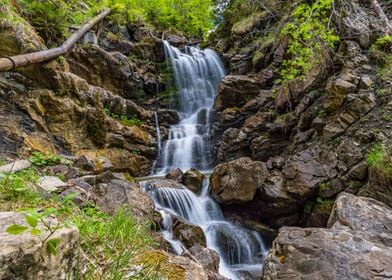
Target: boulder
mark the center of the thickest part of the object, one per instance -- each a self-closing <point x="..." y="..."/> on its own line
<point x="234" y="144"/>
<point x="189" y="234"/>
<point x="51" y="184"/>
<point x="208" y="258"/>
<point x="16" y="166"/>
<point x="175" y="175"/>
<point x="337" y="91"/>
<point x="102" y="164"/>
<point x="358" y="236"/>
<point x="22" y="255"/>
<point x="237" y="181"/>
<point x="193" y="180"/>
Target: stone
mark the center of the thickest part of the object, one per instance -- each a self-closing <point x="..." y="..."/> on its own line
<point x="193" y="180"/>
<point x="84" y="163"/>
<point x="365" y="82"/>
<point x="16" y="166"/>
<point x="337" y="91"/>
<point x="22" y="255"/>
<point x="102" y="164"/>
<point x="208" y="258"/>
<point x="235" y="91"/>
<point x="51" y="184"/>
<point x="358" y="236"/>
<point x="234" y="144"/>
<point x="319" y="215"/>
<point x="237" y="181"/>
<point x="189" y="234"/>
<point x="178" y="267"/>
<point x="175" y="175"/>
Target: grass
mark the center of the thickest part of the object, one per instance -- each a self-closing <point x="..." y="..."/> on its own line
<point x="111" y="245"/>
<point x="380" y="165"/>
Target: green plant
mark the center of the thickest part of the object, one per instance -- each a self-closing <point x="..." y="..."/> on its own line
<point x="125" y="120"/>
<point x="380" y="165"/>
<point x="308" y="33"/>
<point x="39" y="159"/>
<point x="325" y="185"/>
<point x="2" y="162"/>
<point x="325" y="203"/>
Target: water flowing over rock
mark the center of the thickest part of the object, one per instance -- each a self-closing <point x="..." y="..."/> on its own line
<point x="197" y="74"/>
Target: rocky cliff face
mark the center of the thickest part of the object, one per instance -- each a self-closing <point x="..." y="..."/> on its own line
<point x="84" y="103"/>
<point x="313" y="132"/>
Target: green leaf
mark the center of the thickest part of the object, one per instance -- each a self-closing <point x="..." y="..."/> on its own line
<point x="52" y="244"/>
<point x="16" y="229"/>
<point x="35" y="231"/>
<point x="32" y="221"/>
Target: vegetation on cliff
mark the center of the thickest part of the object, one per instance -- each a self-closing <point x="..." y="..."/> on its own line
<point x="53" y="18"/>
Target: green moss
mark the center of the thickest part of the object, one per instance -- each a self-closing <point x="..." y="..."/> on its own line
<point x="324" y="203"/>
<point x="125" y="120"/>
<point x="325" y="185"/>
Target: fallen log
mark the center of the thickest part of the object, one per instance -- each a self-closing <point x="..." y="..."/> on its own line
<point x="9" y="63"/>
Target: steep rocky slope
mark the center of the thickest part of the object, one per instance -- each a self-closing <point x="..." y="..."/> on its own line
<point x="314" y="132"/>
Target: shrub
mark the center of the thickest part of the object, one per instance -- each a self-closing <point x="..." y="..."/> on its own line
<point x="308" y="32"/>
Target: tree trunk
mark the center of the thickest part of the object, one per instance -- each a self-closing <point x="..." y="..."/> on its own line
<point x="9" y="63"/>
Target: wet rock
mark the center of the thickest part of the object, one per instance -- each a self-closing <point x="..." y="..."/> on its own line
<point x="51" y="184"/>
<point x="168" y="117"/>
<point x="193" y="180"/>
<point x="22" y="255"/>
<point x="208" y="258"/>
<point x="163" y="183"/>
<point x="16" y="166"/>
<point x="237" y="181"/>
<point x="175" y="175"/>
<point x="189" y="235"/>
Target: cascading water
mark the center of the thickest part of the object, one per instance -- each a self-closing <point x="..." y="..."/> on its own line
<point x="197" y="74"/>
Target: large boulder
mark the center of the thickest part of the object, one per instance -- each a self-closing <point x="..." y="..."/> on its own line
<point x="237" y="181"/>
<point x="359" y="236"/>
<point x="22" y="256"/>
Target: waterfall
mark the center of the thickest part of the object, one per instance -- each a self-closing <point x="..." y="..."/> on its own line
<point x="197" y="75"/>
<point x="240" y="250"/>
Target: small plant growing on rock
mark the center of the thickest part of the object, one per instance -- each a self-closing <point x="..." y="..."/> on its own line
<point x="125" y="120"/>
<point x="39" y="159"/>
<point x="380" y="165"/>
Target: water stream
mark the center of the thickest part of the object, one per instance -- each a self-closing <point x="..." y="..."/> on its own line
<point x="197" y="75"/>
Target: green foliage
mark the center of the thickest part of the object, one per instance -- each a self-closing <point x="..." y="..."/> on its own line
<point x="53" y="17"/>
<point x="325" y="185"/>
<point x="308" y="32"/>
<point x="114" y="241"/>
<point x="125" y="120"/>
<point x="16" y="190"/>
<point x="324" y="203"/>
<point x="39" y="159"/>
<point x="380" y="165"/>
<point x="2" y="162"/>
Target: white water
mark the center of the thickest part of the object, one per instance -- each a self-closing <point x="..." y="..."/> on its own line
<point x="197" y="74"/>
<point x="240" y="250"/>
